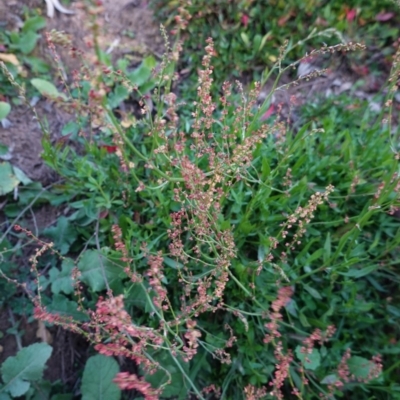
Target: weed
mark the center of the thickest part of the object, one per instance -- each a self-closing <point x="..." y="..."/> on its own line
<point x="222" y="254"/>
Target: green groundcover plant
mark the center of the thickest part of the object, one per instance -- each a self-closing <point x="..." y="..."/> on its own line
<point x="222" y="255"/>
<point x="249" y="33"/>
<point x="18" y="50"/>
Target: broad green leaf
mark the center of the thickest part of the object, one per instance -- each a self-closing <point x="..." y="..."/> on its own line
<point x="329" y="379"/>
<point x="147" y="86"/>
<point x="95" y="268"/>
<point x="5" y="109"/>
<point x="27" y="366"/>
<point x="61" y="305"/>
<point x="149" y="62"/>
<point x="28" y="41"/>
<point x="245" y="39"/>
<point x="97" y="380"/>
<point x="20" y="175"/>
<point x="37" y="65"/>
<point x="70" y="127"/>
<point x="141" y="74"/>
<point x="119" y="94"/>
<point x="63" y="234"/>
<point x="360" y="367"/>
<point x="46" y="88"/>
<point x="8" y="180"/>
<point x="34" y="24"/>
<point x="310" y="361"/>
<point x="61" y="281"/>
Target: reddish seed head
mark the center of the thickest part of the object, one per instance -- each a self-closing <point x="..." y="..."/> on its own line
<point x="244" y="20"/>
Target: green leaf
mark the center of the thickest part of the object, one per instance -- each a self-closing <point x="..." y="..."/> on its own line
<point x="393" y="310"/>
<point x="34" y="24"/>
<point x="20" y="175"/>
<point x="141" y="74"/>
<point x="27" y="42"/>
<point x="303" y="320"/>
<point x="358" y="273"/>
<point x="63" y="234"/>
<point x="8" y="180"/>
<point x="149" y="62"/>
<point x="91" y="265"/>
<point x="5" y="109"/>
<point x="265" y="169"/>
<point x="46" y="88"/>
<point x="97" y="380"/>
<point x="329" y="379"/>
<point x="138" y="298"/>
<point x="310" y="361"/>
<point x="70" y="127"/>
<point x="61" y="281"/>
<point x="360" y="367"/>
<point x="119" y="94"/>
<point x="313" y="292"/>
<point x="61" y="305"/>
<point x="315" y="256"/>
<point x="37" y="65"/>
<point x="172" y="263"/>
<point x="26" y="367"/>
<point x="327" y="248"/>
<point x="245" y="39"/>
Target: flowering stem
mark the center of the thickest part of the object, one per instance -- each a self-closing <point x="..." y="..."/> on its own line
<point x="134" y="149"/>
<point x="161" y="316"/>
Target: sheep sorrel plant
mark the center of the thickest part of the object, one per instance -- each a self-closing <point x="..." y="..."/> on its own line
<point x="221" y="256"/>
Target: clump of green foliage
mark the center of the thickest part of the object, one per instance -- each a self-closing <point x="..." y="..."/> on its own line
<point x="19" y="53"/>
<point x="248" y="34"/>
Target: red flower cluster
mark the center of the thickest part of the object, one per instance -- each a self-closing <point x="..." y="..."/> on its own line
<point x="125" y="381"/>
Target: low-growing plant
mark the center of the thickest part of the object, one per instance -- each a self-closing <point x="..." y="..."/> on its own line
<point x="248" y="34"/>
<point x="17" y="51"/>
<point x="223" y="255"/>
<point x="22" y="375"/>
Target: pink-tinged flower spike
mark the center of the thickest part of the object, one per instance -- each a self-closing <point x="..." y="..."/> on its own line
<point x="127" y="381"/>
<point x="244" y="19"/>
